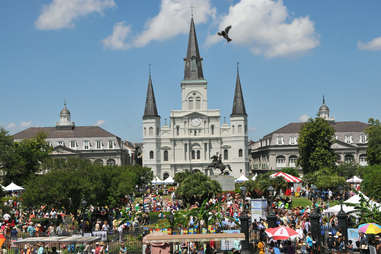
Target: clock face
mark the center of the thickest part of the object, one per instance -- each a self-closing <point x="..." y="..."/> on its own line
<point x="196" y="122"/>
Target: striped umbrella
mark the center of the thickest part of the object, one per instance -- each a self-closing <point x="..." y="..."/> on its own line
<point x="281" y="233"/>
<point x="287" y="177"/>
<point x="370" y="228"/>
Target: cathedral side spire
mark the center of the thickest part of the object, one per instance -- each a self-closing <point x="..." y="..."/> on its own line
<point x="150" y="109"/>
<point x="193" y="66"/>
<point x="238" y="103"/>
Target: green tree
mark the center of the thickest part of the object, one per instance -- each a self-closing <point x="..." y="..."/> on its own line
<point x="22" y="159"/>
<point x="347" y="170"/>
<point x="315" y="141"/>
<point x="197" y="187"/>
<point x="374" y="142"/>
<point x="180" y="176"/>
<point x="371" y="184"/>
<point x="325" y="178"/>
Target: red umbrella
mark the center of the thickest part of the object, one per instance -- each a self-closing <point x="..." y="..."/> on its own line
<point x="281" y="233"/>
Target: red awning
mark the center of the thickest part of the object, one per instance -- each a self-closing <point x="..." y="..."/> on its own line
<point x="288" y="178"/>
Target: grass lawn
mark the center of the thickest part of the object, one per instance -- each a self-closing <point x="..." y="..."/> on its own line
<point x="303" y="202"/>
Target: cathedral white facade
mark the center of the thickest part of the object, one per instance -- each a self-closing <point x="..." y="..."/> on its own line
<point x="194" y="133"/>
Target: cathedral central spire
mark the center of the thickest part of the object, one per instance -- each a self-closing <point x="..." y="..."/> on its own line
<point x="193" y="66"/>
<point x="238" y="103"/>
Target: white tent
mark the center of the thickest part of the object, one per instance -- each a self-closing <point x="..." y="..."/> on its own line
<point x="241" y="179"/>
<point x="354" y="179"/>
<point x="13" y="187"/>
<point x="352" y="200"/>
<point x="254" y="177"/>
<point x="169" y="180"/>
<point x="157" y="181"/>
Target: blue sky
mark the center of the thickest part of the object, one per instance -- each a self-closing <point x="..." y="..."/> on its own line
<point x="95" y="54"/>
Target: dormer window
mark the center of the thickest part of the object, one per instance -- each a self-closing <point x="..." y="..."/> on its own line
<point x="280" y="140"/>
<point x="348" y="139"/>
<point x="363" y="139"/>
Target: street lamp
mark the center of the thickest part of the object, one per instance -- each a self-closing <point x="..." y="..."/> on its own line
<point x="84" y="204"/>
<point x="342" y="217"/>
<point x="244" y="223"/>
<point x="271" y="217"/>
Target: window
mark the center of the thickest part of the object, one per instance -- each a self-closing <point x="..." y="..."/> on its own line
<point x="233" y="129"/>
<point x="165" y="175"/>
<point x="190" y="103"/>
<point x="293" y="141"/>
<point x="99" y="144"/>
<point x="198" y="154"/>
<point x="212" y="129"/>
<point x="110" y="162"/>
<point x="280" y="161"/>
<point x="61" y="143"/>
<point x="226" y="154"/>
<point x="145" y="131"/>
<point x="98" y="162"/>
<point x="239" y="128"/>
<point x="165" y="155"/>
<point x="348" y="139"/>
<point x="150" y="131"/>
<point x="185" y="151"/>
<point x="240" y="153"/>
<point x="292" y="161"/>
<point x="177" y="130"/>
<point x="110" y="144"/>
<point x="86" y="145"/>
<point x="348" y="158"/>
<point x="279" y="140"/>
<point x="363" y="139"/>
<point x="193" y="154"/>
<point x="73" y="144"/>
<point x="362" y="160"/>
<point x="151" y="155"/>
<point x="198" y="102"/>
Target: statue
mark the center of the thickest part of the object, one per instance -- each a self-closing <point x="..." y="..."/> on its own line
<point x="218" y="164"/>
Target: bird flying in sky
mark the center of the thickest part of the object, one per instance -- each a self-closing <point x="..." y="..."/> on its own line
<point x="225" y="33"/>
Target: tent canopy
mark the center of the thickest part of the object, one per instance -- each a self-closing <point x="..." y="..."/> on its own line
<point x="352" y="200"/>
<point x="169" y="180"/>
<point x="287" y="177"/>
<point x="13" y="187"/>
<point x="241" y="179"/>
<point x="354" y="179"/>
<point x="157" y="181"/>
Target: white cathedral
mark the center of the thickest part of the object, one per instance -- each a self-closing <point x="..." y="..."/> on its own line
<point x="194" y="133"/>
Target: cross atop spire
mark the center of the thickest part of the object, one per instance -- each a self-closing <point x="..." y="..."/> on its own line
<point x="193" y="67"/>
<point x="150" y="109"/>
<point x="238" y="103"/>
<point x="323" y="99"/>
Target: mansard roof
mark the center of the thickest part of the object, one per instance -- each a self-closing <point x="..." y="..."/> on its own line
<point x="345" y="126"/>
<point x="53" y="132"/>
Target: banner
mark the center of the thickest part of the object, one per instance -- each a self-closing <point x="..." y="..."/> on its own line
<point x="353" y="235"/>
<point x="258" y="209"/>
<point x="101" y="234"/>
<point x="231" y="244"/>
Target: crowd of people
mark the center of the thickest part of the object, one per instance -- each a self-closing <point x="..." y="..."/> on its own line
<point x="135" y="214"/>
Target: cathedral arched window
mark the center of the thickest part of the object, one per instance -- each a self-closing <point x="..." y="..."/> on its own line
<point x="193" y="154"/>
<point x="280" y="161"/>
<point x="240" y="153"/>
<point x="233" y="129"/>
<point x="165" y="155"/>
<point x="177" y="130"/>
<point x="145" y="131"/>
<point x="198" y="102"/>
<point x="190" y="103"/>
<point x="151" y="155"/>
<point x="226" y="154"/>
<point x="150" y="131"/>
<point x="110" y="162"/>
<point x="212" y="129"/>
<point x="198" y="154"/>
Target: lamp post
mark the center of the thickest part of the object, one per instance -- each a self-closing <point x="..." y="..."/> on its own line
<point x="271" y="217"/>
<point x="244" y="223"/>
<point x="342" y="217"/>
<point x="314" y="189"/>
<point x="84" y="204"/>
<point x="315" y="225"/>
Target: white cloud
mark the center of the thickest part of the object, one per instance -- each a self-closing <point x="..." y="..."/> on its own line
<point x="266" y="27"/>
<point x="372" y="45"/>
<point x="99" y="122"/>
<point x="25" y="124"/>
<point x="62" y="13"/>
<point x="172" y="19"/>
<point x="11" y="126"/>
<point x="117" y="40"/>
<point x="304" y="118"/>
